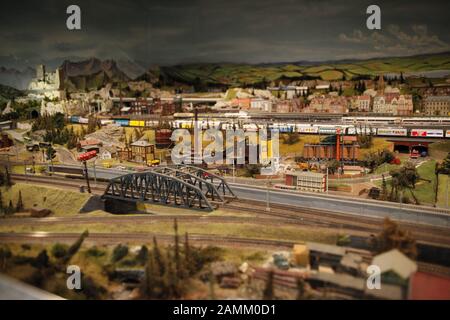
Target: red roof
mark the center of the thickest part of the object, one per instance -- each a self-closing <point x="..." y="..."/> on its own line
<point x="427" y="286"/>
<point x="89" y="142"/>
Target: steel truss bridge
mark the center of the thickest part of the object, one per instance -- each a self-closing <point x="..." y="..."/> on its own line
<point x="177" y="185"/>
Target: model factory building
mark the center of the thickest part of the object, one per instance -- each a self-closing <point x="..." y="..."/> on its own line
<point x="307" y="181"/>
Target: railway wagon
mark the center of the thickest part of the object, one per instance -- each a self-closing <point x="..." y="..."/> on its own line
<point x="361" y="130"/>
<point x="306" y="128"/>
<point x="250" y="127"/>
<point x="137" y="123"/>
<point x="332" y="129"/>
<point x="151" y="123"/>
<point x="428" y="133"/>
<point x="74" y="119"/>
<point x="105" y="122"/>
<point x="392" y="132"/>
<point x="122" y="122"/>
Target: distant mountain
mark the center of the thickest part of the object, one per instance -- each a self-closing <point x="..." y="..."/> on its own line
<point x="92" y="66"/>
<point x="8" y="93"/>
<point x="16" y="78"/>
<point x="91" y="74"/>
<point x="132" y="69"/>
<point x="152" y="75"/>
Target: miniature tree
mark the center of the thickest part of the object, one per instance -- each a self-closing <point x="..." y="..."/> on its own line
<point x="73" y="249"/>
<point x="268" y="290"/>
<point x="10" y="209"/>
<point x="187" y="255"/>
<point x="159" y="261"/>
<point x="393" y="237"/>
<point x="19" y="206"/>
<point x="383" y="188"/>
<point x="142" y="255"/>
<point x="177" y="248"/>
<point x="8" y="182"/>
<point x="301" y="293"/>
<point x="151" y="278"/>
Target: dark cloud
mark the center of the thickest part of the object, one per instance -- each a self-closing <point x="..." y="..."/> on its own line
<point x="180" y="31"/>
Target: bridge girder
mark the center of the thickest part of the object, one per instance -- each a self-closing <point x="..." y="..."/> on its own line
<point x="207" y="187"/>
<point x="177" y="185"/>
<point x="215" y="179"/>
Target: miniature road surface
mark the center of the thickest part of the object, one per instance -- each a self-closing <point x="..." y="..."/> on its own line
<point x="16" y="135"/>
<point x="343" y="204"/>
<point x="65" y="156"/>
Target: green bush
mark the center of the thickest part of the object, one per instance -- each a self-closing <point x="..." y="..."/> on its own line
<point x="95" y="252"/>
<point x="119" y="252"/>
<point x="291" y="138"/>
<point x="142" y="255"/>
<point x="90" y="289"/>
<point x="59" y="250"/>
<point x="343" y="240"/>
<point x="41" y="261"/>
<point x="203" y="256"/>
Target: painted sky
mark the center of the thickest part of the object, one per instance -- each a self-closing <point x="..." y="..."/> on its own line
<point x="184" y="31"/>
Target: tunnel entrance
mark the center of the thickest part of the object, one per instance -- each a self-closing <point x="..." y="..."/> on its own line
<point x="409" y="146"/>
<point x="420" y="148"/>
<point x="401" y="148"/>
<point x="34" y="114"/>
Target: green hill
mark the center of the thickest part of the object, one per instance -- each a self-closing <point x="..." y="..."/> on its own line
<point x="7" y="93"/>
<point x="228" y="74"/>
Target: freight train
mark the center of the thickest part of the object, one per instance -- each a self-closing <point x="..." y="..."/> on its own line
<point x="304" y="128"/>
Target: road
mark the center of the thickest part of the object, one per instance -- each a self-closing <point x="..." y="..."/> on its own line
<point x="65" y="156"/>
<point x="346" y="205"/>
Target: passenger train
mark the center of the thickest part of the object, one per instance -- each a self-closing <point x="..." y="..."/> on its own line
<point x="382" y="129"/>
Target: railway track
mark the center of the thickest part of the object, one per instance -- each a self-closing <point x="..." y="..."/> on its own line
<point x="70" y="183"/>
<point x="285" y="213"/>
<point x="113" y="238"/>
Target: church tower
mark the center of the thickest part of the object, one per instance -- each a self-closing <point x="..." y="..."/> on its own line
<point x="381" y="84"/>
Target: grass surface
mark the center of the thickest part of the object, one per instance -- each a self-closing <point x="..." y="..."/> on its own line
<point x="386" y="167"/>
<point x="296" y="148"/>
<point x="424" y="190"/>
<point x="444" y="191"/>
<point x="61" y="202"/>
<point x="378" y="144"/>
<point x="439" y="150"/>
